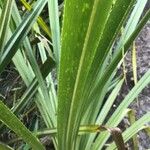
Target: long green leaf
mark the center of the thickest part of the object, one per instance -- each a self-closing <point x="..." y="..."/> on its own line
<point x="4" y="22"/>
<point x="10" y="120"/>
<point x="106" y="108"/>
<point x="131" y="25"/>
<point x="120" y="112"/>
<point x="44" y="90"/>
<point x="54" y="23"/>
<point x="80" y="58"/>
<point x="132" y="22"/>
<point x="77" y="90"/>
<point x="39" y="20"/>
<point x="14" y="42"/>
<point x="118" y="56"/>
<point x="112" y="28"/>
<point x="26" y="71"/>
<point x="117" y="17"/>
<point x="65" y="94"/>
<point x="30" y="92"/>
<point x="132" y="120"/>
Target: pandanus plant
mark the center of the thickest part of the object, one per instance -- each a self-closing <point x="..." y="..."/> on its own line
<point x="85" y="42"/>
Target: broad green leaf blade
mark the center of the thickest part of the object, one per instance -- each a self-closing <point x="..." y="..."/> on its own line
<point x="10" y="120"/>
<point x="78" y="60"/>
<point x="78" y="100"/>
<point x="4" y="22"/>
<point x="69" y="57"/>
<point x="133" y="129"/>
<point x="116" y="19"/>
<point x="118" y="15"/>
<point x="14" y="42"/>
<point x="131" y="25"/>
<point x="55" y="29"/>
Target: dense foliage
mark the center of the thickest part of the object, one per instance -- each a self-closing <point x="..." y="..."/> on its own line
<point x="67" y="54"/>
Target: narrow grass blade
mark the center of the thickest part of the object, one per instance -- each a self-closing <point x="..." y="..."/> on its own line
<point x="118" y="56"/>
<point x="132" y="120"/>
<point x="123" y="61"/>
<point x="55" y="29"/>
<point x="105" y="110"/>
<point x="14" y="42"/>
<point x="41" y="22"/>
<point x="4" y="23"/>
<point x="33" y="87"/>
<point x="10" y="120"/>
<point x="109" y="102"/>
<point x="132" y="22"/>
<point x="46" y="99"/>
<point x="120" y="112"/>
<point x="26" y="71"/>
<point x="114" y="23"/>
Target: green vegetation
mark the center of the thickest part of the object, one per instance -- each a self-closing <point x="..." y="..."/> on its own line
<point x="85" y="44"/>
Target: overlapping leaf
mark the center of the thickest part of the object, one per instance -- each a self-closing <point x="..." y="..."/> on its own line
<point x="8" y="118"/>
<point x="14" y="42"/>
<point x="80" y="65"/>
